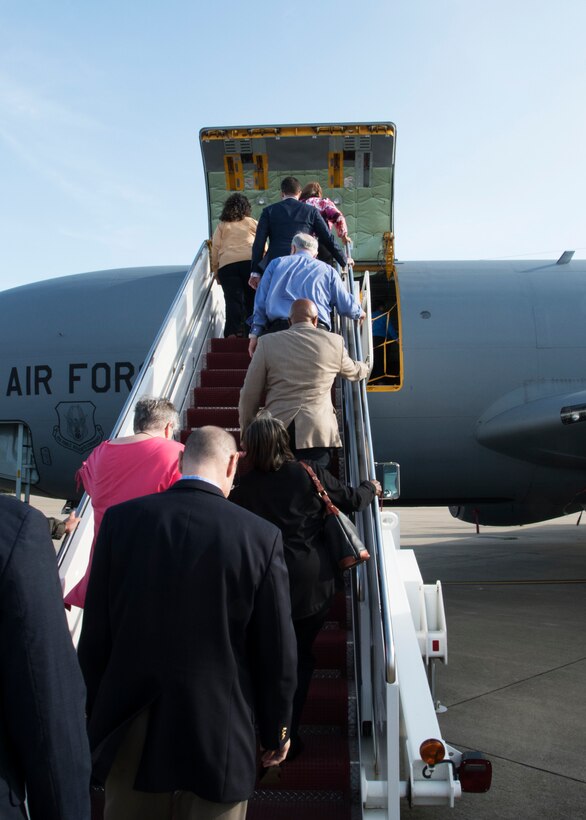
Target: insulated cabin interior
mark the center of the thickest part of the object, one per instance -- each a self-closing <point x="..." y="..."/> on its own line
<point x="355" y="165"/>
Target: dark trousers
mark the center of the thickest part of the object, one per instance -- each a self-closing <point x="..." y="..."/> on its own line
<point x="283" y="324"/>
<point x="276" y="325"/>
<point x="324" y="255"/>
<point x="306" y="631"/>
<point x="238" y="295"/>
<point x="321" y="455"/>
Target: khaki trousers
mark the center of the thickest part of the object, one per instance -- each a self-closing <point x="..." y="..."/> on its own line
<point x="125" y="803"/>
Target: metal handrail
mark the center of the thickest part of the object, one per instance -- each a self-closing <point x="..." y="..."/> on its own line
<point x="361" y="426"/>
<point x="123" y="424"/>
<point x="167" y="388"/>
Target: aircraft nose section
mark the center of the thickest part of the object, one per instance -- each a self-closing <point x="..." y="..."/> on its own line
<point x="550" y="430"/>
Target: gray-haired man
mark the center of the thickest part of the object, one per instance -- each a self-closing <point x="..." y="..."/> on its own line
<point x="299" y="276"/>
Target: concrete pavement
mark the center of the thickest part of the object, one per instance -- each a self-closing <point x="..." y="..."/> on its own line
<point x="515" y="685"/>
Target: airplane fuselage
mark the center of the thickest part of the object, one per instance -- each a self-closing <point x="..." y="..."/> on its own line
<point x="487" y="417"/>
<point x="492" y="352"/>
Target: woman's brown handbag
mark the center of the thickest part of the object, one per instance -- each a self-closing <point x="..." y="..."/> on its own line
<point x="342" y="539"/>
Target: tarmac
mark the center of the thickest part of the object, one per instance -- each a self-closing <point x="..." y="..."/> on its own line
<point x="515" y="682"/>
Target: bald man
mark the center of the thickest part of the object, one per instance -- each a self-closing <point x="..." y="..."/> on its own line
<point x="296" y="368"/>
<point x="187" y="639"/>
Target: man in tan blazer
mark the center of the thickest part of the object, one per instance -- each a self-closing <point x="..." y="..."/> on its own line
<point x="296" y="368"/>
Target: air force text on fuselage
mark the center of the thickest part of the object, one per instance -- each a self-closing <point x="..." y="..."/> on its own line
<point x="75" y="377"/>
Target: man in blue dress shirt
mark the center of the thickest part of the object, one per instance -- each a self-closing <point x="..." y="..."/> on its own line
<point x="299" y="276"/>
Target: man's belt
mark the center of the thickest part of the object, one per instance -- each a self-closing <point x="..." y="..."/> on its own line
<point x="283" y="324"/>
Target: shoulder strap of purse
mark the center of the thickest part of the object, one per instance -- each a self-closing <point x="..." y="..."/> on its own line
<point x="331" y="508"/>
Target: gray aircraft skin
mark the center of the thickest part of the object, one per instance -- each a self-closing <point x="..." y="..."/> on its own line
<point x="490" y="416"/>
<point x="71" y="348"/>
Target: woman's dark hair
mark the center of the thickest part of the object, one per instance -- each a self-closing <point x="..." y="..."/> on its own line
<point x="236" y="207"/>
<point x="266" y="442"/>
<point x="311" y="189"/>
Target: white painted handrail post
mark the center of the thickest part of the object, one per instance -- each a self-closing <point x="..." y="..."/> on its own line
<point x="393" y="751"/>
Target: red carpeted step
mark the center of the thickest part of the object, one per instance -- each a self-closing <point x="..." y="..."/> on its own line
<point x="225" y="345"/>
<point x="228" y="361"/>
<point x="222" y="378"/>
<point x="216" y="396"/>
<point x="306" y="809"/>
<point x="315" y="786"/>
<point x="323" y="765"/>
<point x="327" y="703"/>
<point x="329" y="649"/>
<point x="219" y="416"/>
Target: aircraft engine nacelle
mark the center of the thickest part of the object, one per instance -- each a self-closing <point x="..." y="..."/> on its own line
<point x="509" y="514"/>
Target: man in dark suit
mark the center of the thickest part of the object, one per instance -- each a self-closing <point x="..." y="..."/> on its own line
<point x="44" y="752"/>
<point x="187" y="636"/>
<point x="281" y="221"/>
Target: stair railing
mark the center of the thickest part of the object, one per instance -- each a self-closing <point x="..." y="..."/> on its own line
<point x="397" y="715"/>
<point x="377" y="680"/>
<point x="195" y="315"/>
<point x="375" y="644"/>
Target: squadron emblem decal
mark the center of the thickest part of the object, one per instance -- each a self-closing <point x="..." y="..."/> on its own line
<point x="77" y="429"/>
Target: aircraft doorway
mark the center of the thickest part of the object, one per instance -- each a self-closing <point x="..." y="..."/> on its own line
<point x="386" y="333"/>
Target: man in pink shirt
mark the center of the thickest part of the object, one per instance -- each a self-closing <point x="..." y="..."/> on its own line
<point x="129" y="467"/>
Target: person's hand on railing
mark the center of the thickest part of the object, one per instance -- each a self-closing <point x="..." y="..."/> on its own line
<point x="71" y="522"/>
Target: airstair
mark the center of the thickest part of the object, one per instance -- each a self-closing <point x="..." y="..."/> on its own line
<point x="372" y="736"/>
<point x="17" y="463"/>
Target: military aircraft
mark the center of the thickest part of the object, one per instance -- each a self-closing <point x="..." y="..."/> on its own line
<point x="482" y="393"/>
<point x="71" y="348"/>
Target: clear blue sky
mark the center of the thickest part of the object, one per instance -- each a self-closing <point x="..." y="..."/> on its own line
<point x="101" y="104"/>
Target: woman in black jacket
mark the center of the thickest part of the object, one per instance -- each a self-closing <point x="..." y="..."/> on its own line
<point x="280" y="490"/>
